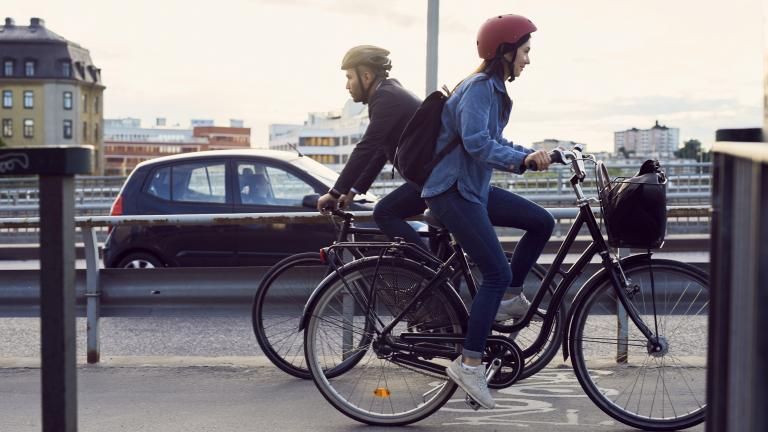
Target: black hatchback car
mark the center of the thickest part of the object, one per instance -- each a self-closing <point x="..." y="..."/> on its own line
<point x="226" y="181"/>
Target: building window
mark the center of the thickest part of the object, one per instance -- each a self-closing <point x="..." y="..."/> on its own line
<point x="8" y="67"/>
<point x="7" y="128"/>
<point x="7" y="99"/>
<point x="29" y="68"/>
<point x="29" y="99"/>
<point x="66" y="69"/>
<point x="96" y="132"/>
<point x="67" y="100"/>
<point x="96" y="104"/>
<point x="85" y="103"/>
<point x="29" y="128"/>
<point x="68" y="129"/>
<point x="85" y="131"/>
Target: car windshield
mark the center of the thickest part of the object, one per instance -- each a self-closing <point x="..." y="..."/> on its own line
<point x="325" y="175"/>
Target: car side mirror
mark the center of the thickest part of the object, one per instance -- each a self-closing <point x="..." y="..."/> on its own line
<point x="310" y="201"/>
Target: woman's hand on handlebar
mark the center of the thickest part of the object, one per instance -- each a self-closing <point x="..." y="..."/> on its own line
<point x="538" y="160"/>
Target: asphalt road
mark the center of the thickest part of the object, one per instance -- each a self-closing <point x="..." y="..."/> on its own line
<point x="187" y="373"/>
<point x="120" y="396"/>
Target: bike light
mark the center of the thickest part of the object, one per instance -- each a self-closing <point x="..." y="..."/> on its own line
<point x="382" y="392"/>
<point x="323" y="256"/>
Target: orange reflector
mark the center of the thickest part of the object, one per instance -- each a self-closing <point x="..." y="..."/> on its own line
<point x="382" y="392"/>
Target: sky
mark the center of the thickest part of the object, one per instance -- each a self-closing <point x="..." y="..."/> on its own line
<point x="597" y="66"/>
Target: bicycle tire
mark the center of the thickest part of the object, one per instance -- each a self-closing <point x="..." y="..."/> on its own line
<point x="679" y="311"/>
<point x="383" y="390"/>
<point x="284" y="346"/>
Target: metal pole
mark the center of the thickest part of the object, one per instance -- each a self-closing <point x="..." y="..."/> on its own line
<point x="92" y="293"/>
<point x="57" y="303"/>
<point x="622" y="325"/>
<point x="433" y="24"/>
<point x="348" y="320"/>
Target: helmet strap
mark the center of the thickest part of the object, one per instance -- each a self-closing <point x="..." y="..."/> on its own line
<point x="510" y="65"/>
<point x="363" y="88"/>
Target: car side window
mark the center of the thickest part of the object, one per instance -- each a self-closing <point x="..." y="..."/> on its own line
<point x="254" y="185"/>
<point x="199" y="182"/>
<point x="160" y="184"/>
<point x="260" y="184"/>
<point x="288" y="189"/>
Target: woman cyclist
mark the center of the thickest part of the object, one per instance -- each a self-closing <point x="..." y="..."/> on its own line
<point x="459" y="194"/>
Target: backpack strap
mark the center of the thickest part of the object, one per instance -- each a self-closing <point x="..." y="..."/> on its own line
<point x="442" y="153"/>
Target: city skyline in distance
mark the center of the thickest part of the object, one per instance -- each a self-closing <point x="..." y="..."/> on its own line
<point x="596" y="68"/>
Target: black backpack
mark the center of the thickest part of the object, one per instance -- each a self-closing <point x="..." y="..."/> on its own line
<point x="415" y="155"/>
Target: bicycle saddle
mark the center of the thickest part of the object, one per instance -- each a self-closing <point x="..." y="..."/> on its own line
<point x="432" y="220"/>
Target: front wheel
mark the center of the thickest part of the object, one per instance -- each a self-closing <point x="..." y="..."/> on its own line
<point x="657" y="384"/>
<point x="278" y="306"/>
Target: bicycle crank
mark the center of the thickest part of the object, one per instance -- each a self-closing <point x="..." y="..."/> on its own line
<point x="505" y="349"/>
<point x="493" y="367"/>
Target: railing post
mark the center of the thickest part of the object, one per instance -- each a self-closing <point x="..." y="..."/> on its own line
<point x="56" y="167"/>
<point x="348" y="320"/>
<point x="92" y="293"/>
<point x="622" y="325"/>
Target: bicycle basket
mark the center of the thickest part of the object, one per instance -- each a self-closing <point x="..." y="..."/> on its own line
<point x="634" y="208"/>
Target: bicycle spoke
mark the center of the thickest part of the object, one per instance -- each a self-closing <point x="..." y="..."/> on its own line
<point x="647" y="389"/>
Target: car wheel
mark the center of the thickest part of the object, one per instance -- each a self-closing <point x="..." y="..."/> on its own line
<point x="140" y="261"/>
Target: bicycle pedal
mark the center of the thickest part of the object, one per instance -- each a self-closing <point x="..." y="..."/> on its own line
<point x="471" y="403"/>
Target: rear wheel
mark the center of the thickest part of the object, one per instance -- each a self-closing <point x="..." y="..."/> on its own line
<point x="140" y="260"/>
<point x="382" y="384"/>
<point x="653" y="385"/>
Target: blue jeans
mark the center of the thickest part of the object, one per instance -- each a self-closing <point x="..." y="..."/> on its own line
<point x="472" y="226"/>
<point x="392" y="210"/>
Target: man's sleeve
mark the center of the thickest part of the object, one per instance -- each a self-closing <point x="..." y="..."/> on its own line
<point x="369" y="155"/>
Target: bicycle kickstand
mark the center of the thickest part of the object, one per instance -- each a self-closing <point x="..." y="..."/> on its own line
<point x="495" y="366"/>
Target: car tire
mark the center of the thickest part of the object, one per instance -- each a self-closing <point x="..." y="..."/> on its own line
<point x="140" y="260"/>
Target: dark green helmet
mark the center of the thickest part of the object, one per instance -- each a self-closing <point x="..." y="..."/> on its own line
<point x="367" y="55"/>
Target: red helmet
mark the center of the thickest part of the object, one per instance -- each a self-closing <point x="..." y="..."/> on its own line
<point x="501" y="29"/>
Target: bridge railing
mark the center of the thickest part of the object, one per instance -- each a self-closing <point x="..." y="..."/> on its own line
<point x="118" y="292"/>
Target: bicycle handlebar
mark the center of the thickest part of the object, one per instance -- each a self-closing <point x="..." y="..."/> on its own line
<point x="573" y="156"/>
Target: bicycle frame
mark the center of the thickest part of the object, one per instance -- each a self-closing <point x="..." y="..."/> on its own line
<point x="457" y="263"/>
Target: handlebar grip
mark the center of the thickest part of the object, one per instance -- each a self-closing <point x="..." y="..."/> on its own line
<point x="342" y="214"/>
<point x="555" y="156"/>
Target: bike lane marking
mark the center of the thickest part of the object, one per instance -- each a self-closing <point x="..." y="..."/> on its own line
<point x="526" y="401"/>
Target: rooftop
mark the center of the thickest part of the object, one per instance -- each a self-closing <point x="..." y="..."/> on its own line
<point x="35" y="32"/>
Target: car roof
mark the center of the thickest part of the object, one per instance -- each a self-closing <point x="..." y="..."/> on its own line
<point x="273" y="154"/>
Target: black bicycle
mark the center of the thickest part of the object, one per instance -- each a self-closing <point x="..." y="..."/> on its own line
<point x="284" y="290"/>
<point x="380" y="331"/>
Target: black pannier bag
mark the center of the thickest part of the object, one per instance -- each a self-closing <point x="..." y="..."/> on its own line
<point x="635" y="208"/>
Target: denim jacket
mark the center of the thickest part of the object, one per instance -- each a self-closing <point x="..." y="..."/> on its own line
<point x="478" y="111"/>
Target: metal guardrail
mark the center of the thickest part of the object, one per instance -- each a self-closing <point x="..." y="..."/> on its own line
<point x="116" y="290"/>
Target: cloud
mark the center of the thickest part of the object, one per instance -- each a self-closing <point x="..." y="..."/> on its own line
<point x="358" y="10"/>
<point x="650" y="107"/>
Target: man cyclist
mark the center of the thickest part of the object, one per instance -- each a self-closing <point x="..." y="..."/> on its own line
<point x="390" y="106"/>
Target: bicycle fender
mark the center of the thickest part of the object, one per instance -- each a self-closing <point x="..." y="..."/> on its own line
<point x="585" y="289"/>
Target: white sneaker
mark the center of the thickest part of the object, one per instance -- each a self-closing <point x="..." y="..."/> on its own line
<point x="472" y="382"/>
<point x="514" y="309"/>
